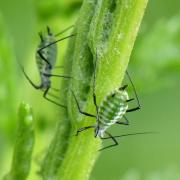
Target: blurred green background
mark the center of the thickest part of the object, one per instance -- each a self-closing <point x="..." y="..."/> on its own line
<point x="154" y="68"/>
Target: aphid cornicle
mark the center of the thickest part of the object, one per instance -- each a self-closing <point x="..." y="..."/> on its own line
<point x="110" y="111"/>
<point x="46" y="56"/>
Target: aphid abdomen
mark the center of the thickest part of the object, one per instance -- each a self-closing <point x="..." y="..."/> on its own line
<point x="51" y="51"/>
<point x="112" y="108"/>
<point x="47" y="54"/>
<point x="46" y="59"/>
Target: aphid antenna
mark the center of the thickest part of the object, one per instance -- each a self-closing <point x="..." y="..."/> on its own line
<point x="64" y="30"/>
<point x="123" y="135"/>
<point x="131" y="134"/>
<point x="139" y="105"/>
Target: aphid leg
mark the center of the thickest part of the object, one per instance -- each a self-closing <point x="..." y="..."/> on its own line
<point x="43" y="58"/>
<point x="54" y="89"/>
<point x="39" y="51"/>
<point x="137" y="99"/>
<point x="110" y="137"/>
<point x="63" y="31"/>
<point x="48" y="30"/>
<point x="123" y="87"/>
<point x="130" y="100"/>
<point x="133" y="109"/>
<point x="79" y="109"/>
<point x="83" y="129"/>
<point x="124" y="123"/>
<point x="45" y="96"/>
<point x="54" y="75"/>
<point x="27" y="77"/>
<point x="52" y="95"/>
<point x="94" y="85"/>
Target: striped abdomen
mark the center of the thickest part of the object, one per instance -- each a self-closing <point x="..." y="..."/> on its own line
<point x="112" y="108"/>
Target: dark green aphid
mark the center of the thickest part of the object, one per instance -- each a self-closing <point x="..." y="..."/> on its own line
<point x="111" y="110"/>
<point x="46" y="56"/>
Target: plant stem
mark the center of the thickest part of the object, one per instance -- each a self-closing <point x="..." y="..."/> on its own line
<point x="106" y="29"/>
<point x="20" y="167"/>
<point x="58" y="147"/>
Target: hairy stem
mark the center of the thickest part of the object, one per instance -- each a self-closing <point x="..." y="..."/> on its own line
<point x="105" y="34"/>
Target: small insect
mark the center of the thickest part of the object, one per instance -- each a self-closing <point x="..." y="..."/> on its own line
<point x="46" y="56"/>
<point x="110" y="111"/>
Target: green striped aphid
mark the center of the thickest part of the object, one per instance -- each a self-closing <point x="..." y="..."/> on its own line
<point x="46" y="56"/>
<point x="111" y="110"/>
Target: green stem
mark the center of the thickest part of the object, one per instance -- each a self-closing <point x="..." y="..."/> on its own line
<point x="106" y="29"/>
<point x="24" y="144"/>
<point x="58" y="147"/>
